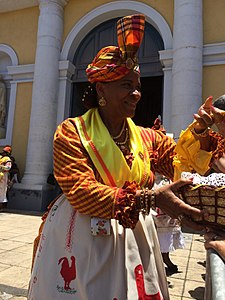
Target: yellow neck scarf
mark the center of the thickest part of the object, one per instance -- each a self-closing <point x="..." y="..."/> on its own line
<point x="105" y="154"/>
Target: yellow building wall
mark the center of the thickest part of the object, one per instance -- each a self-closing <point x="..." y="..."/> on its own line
<point x="19" y="31"/>
<point x="75" y="10"/>
<point x="213" y="21"/>
<point x="213" y="81"/>
<point x="21" y="124"/>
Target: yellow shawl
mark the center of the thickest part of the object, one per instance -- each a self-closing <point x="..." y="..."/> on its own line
<point x="105" y="154"/>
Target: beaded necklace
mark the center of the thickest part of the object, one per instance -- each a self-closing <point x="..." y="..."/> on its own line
<point x="125" y="139"/>
<point x="121" y="132"/>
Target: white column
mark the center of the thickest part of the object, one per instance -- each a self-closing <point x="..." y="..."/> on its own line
<point x="45" y="92"/>
<point x="67" y="70"/>
<point x="187" y="63"/>
<point x="165" y="57"/>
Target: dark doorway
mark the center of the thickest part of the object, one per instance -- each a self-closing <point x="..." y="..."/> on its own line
<point x="150" y="105"/>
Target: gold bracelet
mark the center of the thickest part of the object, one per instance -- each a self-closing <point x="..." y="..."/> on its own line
<point x="141" y="198"/>
<point x="147" y="208"/>
<point x="203" y="134"/>
<point x="146" y="201"/>
<point x="153" y="204"/>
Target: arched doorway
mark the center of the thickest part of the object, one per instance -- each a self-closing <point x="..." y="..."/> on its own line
<point x="8" y="59"/>
<point x="150" y="105"/>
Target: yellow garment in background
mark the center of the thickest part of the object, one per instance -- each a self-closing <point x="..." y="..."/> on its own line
<point x="3" y="160"/>
<point x="189" y="156"/>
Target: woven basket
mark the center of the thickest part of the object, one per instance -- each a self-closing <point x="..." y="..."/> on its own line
<point x="210" y="199"/>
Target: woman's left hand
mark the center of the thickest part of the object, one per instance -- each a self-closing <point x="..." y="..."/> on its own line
<point x="171" y="204"/>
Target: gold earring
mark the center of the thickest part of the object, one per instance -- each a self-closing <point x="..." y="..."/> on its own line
<point x="102" y="101"/>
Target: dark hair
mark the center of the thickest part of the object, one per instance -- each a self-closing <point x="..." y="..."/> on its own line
<point x="89" y="98"/>
<point x="220" y="102"/>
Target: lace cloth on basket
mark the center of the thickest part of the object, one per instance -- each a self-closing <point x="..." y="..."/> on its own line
<point x="214" y="179"/>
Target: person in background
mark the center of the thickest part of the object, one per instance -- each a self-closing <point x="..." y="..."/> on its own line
<point x="218" y="108"/>
<point x="98" y="240"/>
<point x="5" y="166"/>
<point x="168" y="229"/>
<point x="14" y="174"/>
<point x="215" y="240"/>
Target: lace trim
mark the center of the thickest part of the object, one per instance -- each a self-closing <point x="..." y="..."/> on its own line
<point x="125" y="208"/>
<point x="220" y="150"/>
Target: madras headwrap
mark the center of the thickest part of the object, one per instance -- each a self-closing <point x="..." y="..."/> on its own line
<point x="114" y="62"/>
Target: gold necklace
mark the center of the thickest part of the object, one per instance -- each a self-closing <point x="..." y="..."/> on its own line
<point x="125" y="140"/>
<point x="121" y="132"/>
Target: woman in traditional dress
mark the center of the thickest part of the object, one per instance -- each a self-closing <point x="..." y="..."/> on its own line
<point x="98" y="240"/>
<point x="5" y="166"/>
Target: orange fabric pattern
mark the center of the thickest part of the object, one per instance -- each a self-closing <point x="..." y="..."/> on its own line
<point x="112" y="62"/>
<point x="80" y="180"/>
<point x="130" y="32"/>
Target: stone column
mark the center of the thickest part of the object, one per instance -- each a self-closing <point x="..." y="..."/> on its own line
<point x="33" y="193"/>
<point x="187" y="63"/>
<point x="45" y="92"/>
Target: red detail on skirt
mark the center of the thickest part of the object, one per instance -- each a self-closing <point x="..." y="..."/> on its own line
<point x="69" y="239"/>
<point x="138" y="271"/>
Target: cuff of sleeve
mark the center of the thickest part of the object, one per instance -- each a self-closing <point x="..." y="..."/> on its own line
<point x="125" y="207"/>
<point x="220" y="150"/>
<point x="189" y="156"/>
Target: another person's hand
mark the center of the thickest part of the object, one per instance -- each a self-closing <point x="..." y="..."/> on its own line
<point x="216" y="241"/>
<point x="219" y="119"/>
<point x="219" y="165"/>
<point x="204" y="118"/>
<point x="176" y="208"/>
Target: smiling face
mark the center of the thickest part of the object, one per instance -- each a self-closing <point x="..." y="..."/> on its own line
<point x="121" y="96"/>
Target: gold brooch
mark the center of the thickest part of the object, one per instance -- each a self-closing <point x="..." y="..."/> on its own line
<point x="130" y="63"/>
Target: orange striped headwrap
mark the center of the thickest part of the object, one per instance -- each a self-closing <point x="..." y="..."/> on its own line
<point x="112" y="62"/>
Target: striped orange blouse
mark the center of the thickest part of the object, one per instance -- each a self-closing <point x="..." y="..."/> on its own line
<point x="80" y="180"/>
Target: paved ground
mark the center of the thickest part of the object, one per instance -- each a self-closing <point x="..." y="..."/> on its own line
<point x="18" y="230"/>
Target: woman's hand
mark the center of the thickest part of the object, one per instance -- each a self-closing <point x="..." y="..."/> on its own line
<point x="204" y="118"/>
<point x="176" y="208"/>
<point x="215" y="241"/>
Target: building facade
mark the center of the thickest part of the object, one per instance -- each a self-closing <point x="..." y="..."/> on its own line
<point x="45" y="46"/>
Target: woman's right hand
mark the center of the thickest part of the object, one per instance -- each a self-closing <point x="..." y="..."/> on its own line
<point x="168" y="201"/>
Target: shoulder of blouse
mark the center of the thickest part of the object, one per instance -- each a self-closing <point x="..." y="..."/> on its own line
<point x="66" y="128"/>
<point x="157" y="137"/>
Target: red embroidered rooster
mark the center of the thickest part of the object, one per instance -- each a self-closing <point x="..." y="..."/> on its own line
<point x="68" y="272"/>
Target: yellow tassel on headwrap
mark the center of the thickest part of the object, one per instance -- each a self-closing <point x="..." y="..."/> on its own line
<point x="112" y="62"/>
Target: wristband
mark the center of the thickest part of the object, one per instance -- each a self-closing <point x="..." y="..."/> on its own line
<point x="203" y="134"/>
